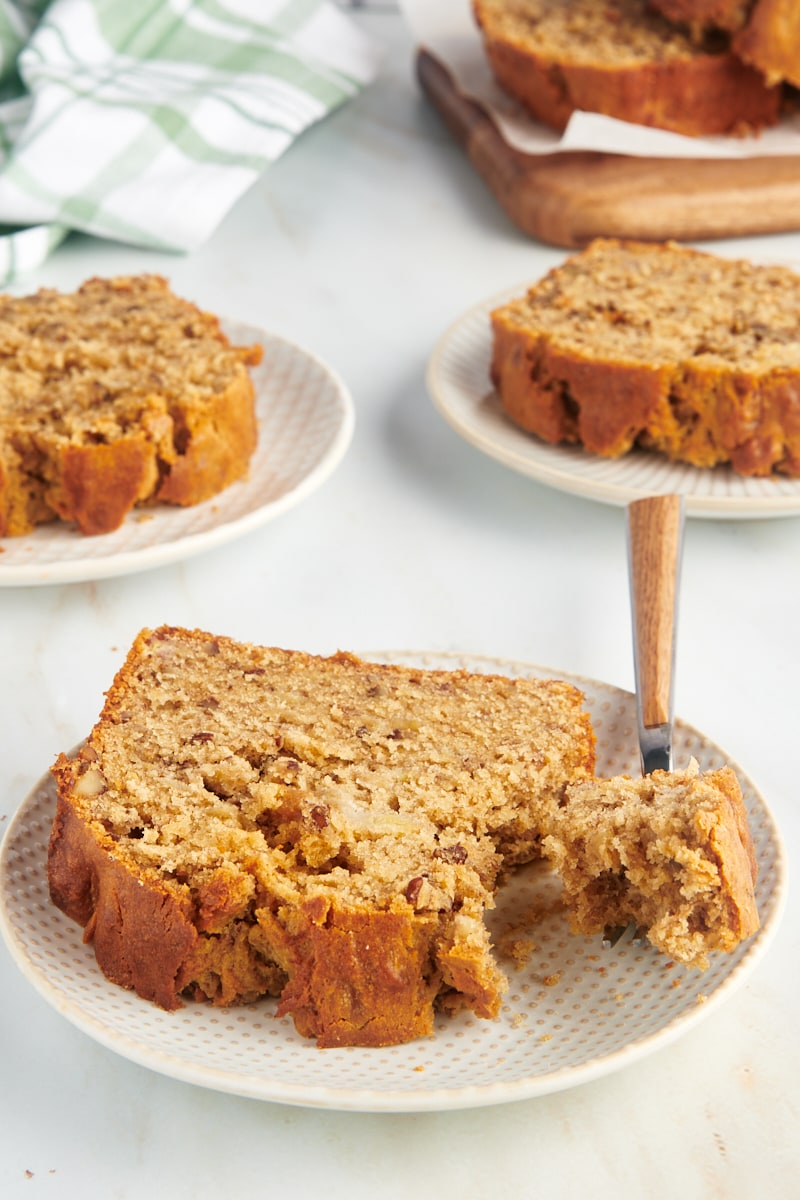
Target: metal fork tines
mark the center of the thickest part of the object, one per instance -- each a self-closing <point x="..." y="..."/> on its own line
<point x="614" y="934"/>
<point x="655" y="542"/>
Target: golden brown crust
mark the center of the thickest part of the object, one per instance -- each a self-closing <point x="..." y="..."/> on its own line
<point x="142" y="934"/>
<point x="386" y="959"/>
<point x="113" y="396"/>
<point x="690" y="91"/>
<point x="732" y="844"/>
<point x="98" y="485"/>
<point x="636" y="361"/>
<point x="219" y="445"/>
<point x="563" y="398"/>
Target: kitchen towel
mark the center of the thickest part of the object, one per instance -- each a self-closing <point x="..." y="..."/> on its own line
<point x="145" y="120"/>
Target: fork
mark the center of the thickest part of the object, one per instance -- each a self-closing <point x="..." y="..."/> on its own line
<point x="655" y="541"/>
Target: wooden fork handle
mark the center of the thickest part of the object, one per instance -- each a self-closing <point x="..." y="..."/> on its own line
<point x="655" y="528"/>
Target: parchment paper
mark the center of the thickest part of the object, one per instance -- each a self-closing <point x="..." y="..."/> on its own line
<point x="447" y="28"/>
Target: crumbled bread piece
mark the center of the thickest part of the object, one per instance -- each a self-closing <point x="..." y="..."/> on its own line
<point x="115" y="395"/>
<point x="659" y="346"/>
<point x="670" y="852"/>
<point x="619" y="58"/>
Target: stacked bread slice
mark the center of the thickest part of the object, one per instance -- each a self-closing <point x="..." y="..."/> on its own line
<point x="689" y="73"/>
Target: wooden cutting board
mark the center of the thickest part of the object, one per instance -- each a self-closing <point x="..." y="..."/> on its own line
<point x="567" y="199"/>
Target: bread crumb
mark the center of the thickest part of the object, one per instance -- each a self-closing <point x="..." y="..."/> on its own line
<point x="552" y="980"/>
<point x="516" y="948"/>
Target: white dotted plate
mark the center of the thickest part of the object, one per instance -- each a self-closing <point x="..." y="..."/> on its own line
<point x="459" y="385"/>
<point x="574" y="1010"/>
<point x="305" y="421"/>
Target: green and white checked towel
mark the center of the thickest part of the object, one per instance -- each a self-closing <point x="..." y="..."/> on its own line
<point x="145" y="120"/>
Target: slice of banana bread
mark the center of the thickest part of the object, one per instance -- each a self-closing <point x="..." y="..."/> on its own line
<point x="246" y="821"/>
<point x="618" y="58"/>
<point x="659" y="346"/>
<point x="115" y="395"/>
<point x="670" y="852"/>
<point x="765" y="33"/>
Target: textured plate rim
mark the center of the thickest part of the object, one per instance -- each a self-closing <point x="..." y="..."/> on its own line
<point x="549" y="464"/>
<point x="226" y="530"/>
<point x="359" y="1099"/>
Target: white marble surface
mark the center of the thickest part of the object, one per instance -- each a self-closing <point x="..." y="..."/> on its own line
<point x="364" y="243"/>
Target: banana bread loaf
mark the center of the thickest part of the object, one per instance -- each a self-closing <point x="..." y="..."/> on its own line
<point x="658" y="346"/>
<point x="246" y="821"/>
<point x="764" y="33"/>
<point x="671" y="853"/>
<point x="116" y="395"/>
<point x="618" y="58"/>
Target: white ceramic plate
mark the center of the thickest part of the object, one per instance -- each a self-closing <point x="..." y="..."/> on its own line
<point x="305" y="420"/>
<point x="459" y="385"/>
<point x="574" y="1011"/>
